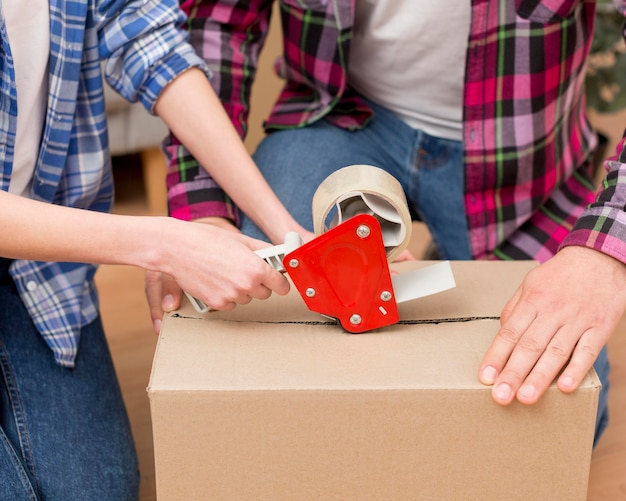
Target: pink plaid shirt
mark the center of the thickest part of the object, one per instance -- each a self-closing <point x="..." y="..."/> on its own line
<point x="527" y="142"/>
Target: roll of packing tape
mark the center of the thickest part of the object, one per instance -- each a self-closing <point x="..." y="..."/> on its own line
<point x="364" y="189"/>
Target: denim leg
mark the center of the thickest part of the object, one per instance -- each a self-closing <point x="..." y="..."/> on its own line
<point x="64" y="433"/>
<point x="296" y="161"/>
<point x="436" y="192"/>
<point x="429" y="169"/>
<point x="602" y="368"/>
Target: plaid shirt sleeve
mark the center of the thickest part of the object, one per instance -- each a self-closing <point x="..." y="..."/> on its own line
<point x="229" y="36"/>
<point x="603" y="224"/>
<point x="143" y="53"/>
<point x="144" y="48"/>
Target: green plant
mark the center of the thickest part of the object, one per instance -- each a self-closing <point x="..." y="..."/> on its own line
<point x="606" y="70"/>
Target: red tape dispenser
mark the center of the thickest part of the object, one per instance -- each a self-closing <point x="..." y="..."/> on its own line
<point x="344" y="274"/>
<point x="362" y="222"/>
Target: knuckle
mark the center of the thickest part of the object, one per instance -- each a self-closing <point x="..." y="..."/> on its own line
<point x="152" y="276"/>
<point x="217" y="303"/>
<point x="243" y="299"/>
<point x="505" y="314"/>
<point x="514" y="376"/>
<point x="508" y="335"/>
<point x="558" y="350"/>
<point x="588" y="350"/>
<point x="530" y="344"/>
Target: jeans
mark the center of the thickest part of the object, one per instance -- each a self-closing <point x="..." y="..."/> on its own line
<point x="64" y="433"/>
<point x="603" y="368"/>
<point x="296" y="161"/>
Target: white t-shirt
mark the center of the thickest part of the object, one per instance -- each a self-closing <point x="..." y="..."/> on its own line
<point x="409" y="56"/>
<point x="28" y="28"/>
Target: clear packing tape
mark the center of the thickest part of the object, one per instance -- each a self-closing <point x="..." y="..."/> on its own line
<point x="359" y="212"/>
<point x="364" y="189"/>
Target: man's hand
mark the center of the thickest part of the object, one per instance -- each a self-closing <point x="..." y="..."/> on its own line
<point x="163" y="295"/>
<point x="559" y="318"/>
<point x="405" y="255"/>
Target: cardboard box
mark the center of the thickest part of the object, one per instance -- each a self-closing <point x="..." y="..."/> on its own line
<point x="273" y="402"/>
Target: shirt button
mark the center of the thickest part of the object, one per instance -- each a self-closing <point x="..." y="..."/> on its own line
<point x="31" y="286"/>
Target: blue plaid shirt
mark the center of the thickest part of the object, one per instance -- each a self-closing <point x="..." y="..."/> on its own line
<point x="143" y="50"/>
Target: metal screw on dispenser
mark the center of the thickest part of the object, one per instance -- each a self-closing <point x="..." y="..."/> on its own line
<point x="293" y="263"/>
<point x="363" y="231"/>
<point x="386" y="296"/>
<point x="310" y="292"/>
<point x="355" y="319"/>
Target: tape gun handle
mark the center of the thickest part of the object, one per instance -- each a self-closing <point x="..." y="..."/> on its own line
<point x="271" y="255"/>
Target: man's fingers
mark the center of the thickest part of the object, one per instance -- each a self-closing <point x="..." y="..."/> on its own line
<point x="551" y="361"/>
<point x="163" y="294"/>
<point x="585" y="354"/>
<point x="152" y="287"/>
<point x="171" y="293"/>
<point x="509" y="307"/>
<point x="405" y="255"/>
<point x="527" y="352"/>
<point x="519" y="317"/>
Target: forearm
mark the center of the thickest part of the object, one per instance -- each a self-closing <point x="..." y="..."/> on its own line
<point x="194" y="113"/>
<point x="215" y="265"/>
<point x="46" y="232"/>
<point x="230" y="43"/>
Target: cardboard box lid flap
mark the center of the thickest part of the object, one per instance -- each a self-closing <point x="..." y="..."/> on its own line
<point x="195" y="355"/>
<point x="483" y="287"/>
<point x="280" y="344"/>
